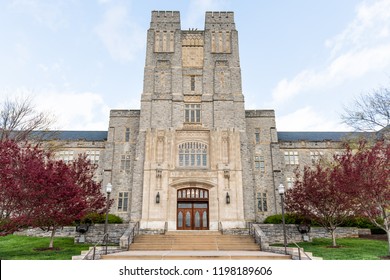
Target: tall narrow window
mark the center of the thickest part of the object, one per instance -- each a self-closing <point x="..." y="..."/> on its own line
<point x="257" y="135"/>
<point x="127" y="134"/>
<point x="123" y="201"/>
<point x="262" y="204"/>
<point x="192" y="113"/>
<point x="259" y="163"/>
<point x="192" y="83"/>
<point x="125" y="163"/>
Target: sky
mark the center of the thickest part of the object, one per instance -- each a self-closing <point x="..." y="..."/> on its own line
<point x="307" y="60"/>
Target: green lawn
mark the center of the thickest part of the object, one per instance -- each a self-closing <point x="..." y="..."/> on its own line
<point x="350" y="249"/>
<point x="13" y="247"/>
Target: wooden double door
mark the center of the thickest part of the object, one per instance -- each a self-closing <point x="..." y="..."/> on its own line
<point x="192" y="216"/>
<point x="192" y="209"/>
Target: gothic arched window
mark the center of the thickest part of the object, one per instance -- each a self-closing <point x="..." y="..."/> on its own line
<point x="193" y="154"/>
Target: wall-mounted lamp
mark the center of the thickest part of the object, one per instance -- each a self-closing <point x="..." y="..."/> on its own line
<point x="158" y="198"/>
<point x="227" y="198"/>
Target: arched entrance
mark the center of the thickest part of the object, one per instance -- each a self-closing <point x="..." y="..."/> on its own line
<point x="192" y="209"/>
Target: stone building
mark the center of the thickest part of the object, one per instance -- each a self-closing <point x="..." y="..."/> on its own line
<point x="192" y="158"/>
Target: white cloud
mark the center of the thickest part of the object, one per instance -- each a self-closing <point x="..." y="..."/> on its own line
<point x="122" y="38"/>
<point x="70" y="110"/>
<point x="73" y="110"/>
<point x="305" y="119"/>
<point x="370" y="25"/>
<point x="350" y="65"/>
<point x="361" y="48"/>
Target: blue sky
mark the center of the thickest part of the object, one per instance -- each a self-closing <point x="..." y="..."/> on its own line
<point x="304" y="59"/>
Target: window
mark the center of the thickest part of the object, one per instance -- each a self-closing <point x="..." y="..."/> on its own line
<point x="192" y="113"/>
<point x="123" y="201"/>
<point x="257" y="135"/>
<point x="316" y="157"/>
<point x="259" y="163"/>
<point x="125" y="163"/>
<point x="262" y="202"/>
<point x="192" y="83"/>
<point x="66" y="156"/>
<point x="193" y="154"/>
<point x="127" y="134"/>
<point x="290" y="182"/>
<point x="291" y="158"/>
<point x="93" y="156"/>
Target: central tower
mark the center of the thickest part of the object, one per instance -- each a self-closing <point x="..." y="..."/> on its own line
<point x="192" y="127"/>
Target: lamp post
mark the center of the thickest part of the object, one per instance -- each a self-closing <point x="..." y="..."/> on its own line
<point x="281" y="192"/>
<point x="108" y="190"/>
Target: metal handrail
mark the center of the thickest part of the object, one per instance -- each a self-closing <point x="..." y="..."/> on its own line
<point x="299" y="248"/>
<point x="132" y="235"/>
<point x="94" y="247"/>
<point x="257" y="237"/>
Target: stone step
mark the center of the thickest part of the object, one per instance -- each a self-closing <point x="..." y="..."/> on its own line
<point x="195" y="255"/>
<point x="194" y="232"/>
<point x="188" y="241"/>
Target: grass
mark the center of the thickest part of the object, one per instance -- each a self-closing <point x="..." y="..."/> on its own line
<point x="14" y="247"/>
<point x="350" y="249"/>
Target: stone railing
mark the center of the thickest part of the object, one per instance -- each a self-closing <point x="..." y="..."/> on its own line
<point x="93" y="235"/>
<point x="96" y="232"/>
<point x="274" y="232"/>
<point x="128" y="236"/>
<point x="266" y="234"/>
<point x="60" y="232"/>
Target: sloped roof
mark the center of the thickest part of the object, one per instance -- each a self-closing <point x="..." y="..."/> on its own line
<point x="69" y="135"/>
<point x="320" y="135"/>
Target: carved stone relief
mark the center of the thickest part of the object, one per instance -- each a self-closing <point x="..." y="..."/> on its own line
<point x="192" y="57"/>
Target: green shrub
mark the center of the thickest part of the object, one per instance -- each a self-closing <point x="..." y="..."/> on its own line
<point x="363" y="222"/>
<point x="95" y="218"/>
<point x="289" y="218"/>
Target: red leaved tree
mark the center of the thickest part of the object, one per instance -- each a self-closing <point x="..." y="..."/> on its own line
<point x="83" y="171"/>
<point x="317" y="195"/>
<point x="366" y="177"/>
<point x="22" y="169"/>
<point x="36" y="190"/>
<point x="71" y="194"/>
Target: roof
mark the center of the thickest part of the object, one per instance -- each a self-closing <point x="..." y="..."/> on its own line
<point x="68" y="135"/>
<point x="320" y="135"/>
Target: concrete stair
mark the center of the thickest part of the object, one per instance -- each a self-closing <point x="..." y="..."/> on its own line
<point x="186" y="245"/>
<point x="194" y="242"/>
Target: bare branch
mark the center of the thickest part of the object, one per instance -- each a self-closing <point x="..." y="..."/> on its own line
<point x="18" y="119"/>
<point x="369" y="112"/>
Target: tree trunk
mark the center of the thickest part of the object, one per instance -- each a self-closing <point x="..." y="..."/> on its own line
<point x="333" y="232"/>
<point x="52" y="237"/>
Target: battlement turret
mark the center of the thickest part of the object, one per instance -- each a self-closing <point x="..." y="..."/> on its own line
<point x="219" y="20"/>
<point x="165" y="20"/>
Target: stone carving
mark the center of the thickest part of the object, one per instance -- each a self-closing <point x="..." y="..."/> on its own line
<point x="220" y="42"/>
<point x="164" y="41"/>
<point x="192" y="57"/>
<point x="190" y="39"/>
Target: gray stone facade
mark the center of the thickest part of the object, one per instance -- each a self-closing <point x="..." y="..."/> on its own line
<point x="193" y="131"/>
